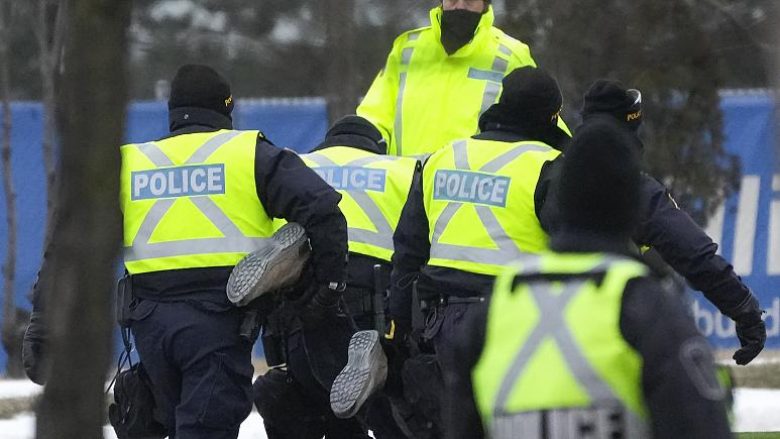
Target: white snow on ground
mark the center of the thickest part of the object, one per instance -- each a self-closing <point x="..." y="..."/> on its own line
<point x="757" y="410"/>
<point x="754" y="410"/>
<point x="23" y="427"/>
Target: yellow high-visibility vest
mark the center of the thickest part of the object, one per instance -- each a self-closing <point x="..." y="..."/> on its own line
<point x="190" y="201"/>
<point x="479" y="200"/>
<point x="374" y="189"/>
<point x="554" y="357"/>
<point x="424" y="99"/>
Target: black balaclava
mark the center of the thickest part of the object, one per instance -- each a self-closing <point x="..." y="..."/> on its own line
<point x="458" y="27"/>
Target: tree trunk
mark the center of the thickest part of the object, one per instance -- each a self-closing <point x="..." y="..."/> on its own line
<point x="11" y="335"/>
<point x="50" y="34"/>
<point x="91" y="116"/>
<point x="341" y="91"/>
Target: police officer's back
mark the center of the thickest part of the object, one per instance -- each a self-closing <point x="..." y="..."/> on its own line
<point x="585" y="341"/>
<point x="194" y="204"/>
<point x="374" y="188"/>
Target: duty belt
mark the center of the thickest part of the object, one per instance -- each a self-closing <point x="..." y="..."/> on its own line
<point x="586" y="423"/>
<point x="359" y="300"/>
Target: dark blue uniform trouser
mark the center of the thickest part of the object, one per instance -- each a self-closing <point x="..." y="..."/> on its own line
<point x="200" y="368"/>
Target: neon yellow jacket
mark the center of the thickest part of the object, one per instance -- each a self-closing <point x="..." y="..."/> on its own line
<point x="424" y="99"/>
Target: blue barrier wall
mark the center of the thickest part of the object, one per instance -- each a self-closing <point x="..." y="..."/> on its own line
<point x="748" y="225"/>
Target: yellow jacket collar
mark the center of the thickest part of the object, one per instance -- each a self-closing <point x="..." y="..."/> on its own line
<point x="483" y="28"/>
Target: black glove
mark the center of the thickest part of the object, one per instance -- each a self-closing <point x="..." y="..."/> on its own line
<point x="323" y="302"/>
<point x="752" y="337"/>
<point x="751" y="330"/>
<point x="34" y="349"/>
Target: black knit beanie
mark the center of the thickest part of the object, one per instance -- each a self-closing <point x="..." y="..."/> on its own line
<point x="355" y="125"/>
<point x="599" y="188"/>
<point x="200" y="86"/>
<point x="611" y="97"/>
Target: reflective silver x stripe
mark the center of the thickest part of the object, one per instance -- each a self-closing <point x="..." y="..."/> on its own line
<point x="507" y="249"/>
<point x="552" y="323"/>
<point x="233" y="241"/>
<point x="383" y="237"/>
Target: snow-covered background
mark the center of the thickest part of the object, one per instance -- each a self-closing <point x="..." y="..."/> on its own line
<point x="755" y="410"/>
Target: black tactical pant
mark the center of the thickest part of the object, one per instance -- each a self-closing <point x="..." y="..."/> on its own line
<point x="199" y="367"/>
<point x="294" y="401"/>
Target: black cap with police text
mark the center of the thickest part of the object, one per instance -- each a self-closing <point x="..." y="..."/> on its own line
<point x="599" y="188"/>
<point x="611" y="97"/>
<point x="200" y="86"/>
<point x="530" y="102"/>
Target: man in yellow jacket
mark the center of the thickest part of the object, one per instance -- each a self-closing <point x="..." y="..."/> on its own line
<point x="439" y="79"/>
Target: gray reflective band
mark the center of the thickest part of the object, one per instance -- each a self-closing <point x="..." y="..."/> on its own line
<point x="492" y="78"/>
<point x="383" y="237"/>
<point x="398" y="134"/>
<point x="211" y="145"/>
<point x="193" y="247"/>
<point x="507" y="248"/>
<point x="234" y="241"/>
<point x="414" y="35"/>
<point x="500" y="65"/>
<point x="155" y="154"/>
<point x="489" y="97"/>
<point x="406" y="55"/>
<point x="597" y="422"/>
<point x="485" y="75"/>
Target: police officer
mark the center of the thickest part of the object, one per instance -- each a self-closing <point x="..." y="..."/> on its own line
<point x="471" y="213"/>
<point x="667" y="230"/>
<point x="572" y="345"/>
<point x="439" y="79"/>
<point x="374" y="187"/>
<point x="194" y="203"/>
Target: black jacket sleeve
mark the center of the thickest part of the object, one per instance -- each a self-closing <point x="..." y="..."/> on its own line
<point x="678" y="372"/>
<point x="288" y="189"/>
<point x="688" y="250"/>
<point x="412" y="250"/>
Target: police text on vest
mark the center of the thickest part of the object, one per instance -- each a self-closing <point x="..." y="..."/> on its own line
<point x="353" y="178"/>
<point x="471" y="187"/>
<point x="180" y="181"/>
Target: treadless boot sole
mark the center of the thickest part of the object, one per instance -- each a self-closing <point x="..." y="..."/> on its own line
<point x="276" y="265"/>
<point x="364" y="374"/>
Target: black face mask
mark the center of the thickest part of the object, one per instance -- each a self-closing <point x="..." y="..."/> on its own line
<point x="457" y="28"/>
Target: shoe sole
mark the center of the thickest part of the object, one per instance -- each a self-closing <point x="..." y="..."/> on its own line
<point x="277" y="265"/>
<point x="364" y="374"/>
